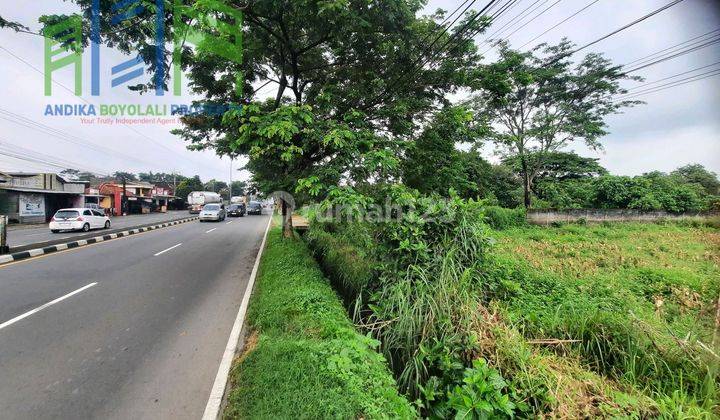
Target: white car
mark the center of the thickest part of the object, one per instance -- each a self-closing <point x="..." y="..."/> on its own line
<point x="79" y="219"/>
<point x="214" y="212"/>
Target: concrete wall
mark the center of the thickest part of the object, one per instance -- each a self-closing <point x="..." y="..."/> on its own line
<point x="548" y="216"/>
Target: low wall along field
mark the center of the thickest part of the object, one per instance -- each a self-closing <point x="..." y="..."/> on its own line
<point x="549" y="216"/>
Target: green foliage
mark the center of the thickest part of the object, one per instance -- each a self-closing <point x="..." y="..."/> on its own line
<point x="558" y="166"/>
<point x="539" y="102"/>
<point x="697" y="174"/>
<point x="638" y="306"/>
<point x="308" y="361"/>
<point x="215" y="186"/>
<point x="416" y="287"/>
<point x="428" y="299"/>
<point x="483" y="394"/>
<point x="189" y="185"/>
<point x="435" y="165"/>
<point x="502" y="218"/>
<point x="127" y="176"/>
<point x="648" y="192"/>
<point x="238" y="188"/>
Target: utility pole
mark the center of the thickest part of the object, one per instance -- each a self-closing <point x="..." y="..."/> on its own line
<point x="4" y="248"/>
<point x="230" y="191"/>
<point x="123" y="201"/>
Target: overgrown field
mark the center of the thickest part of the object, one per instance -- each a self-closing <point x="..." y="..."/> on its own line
<point x="304" y="359"/>
<point x="571" y="321"/>
<point x="639" y="298"/>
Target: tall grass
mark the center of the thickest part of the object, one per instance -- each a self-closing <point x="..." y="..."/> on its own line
<point x="612" y="352"/>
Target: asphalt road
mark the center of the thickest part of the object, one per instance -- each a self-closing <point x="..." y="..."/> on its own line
<point x="22" y="235"/>
<point x="137" y="328"/>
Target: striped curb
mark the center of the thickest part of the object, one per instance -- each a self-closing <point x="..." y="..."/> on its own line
<point x="19" y="256"/>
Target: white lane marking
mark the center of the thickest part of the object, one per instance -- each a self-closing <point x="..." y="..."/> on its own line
<point x="211" y="230"/>
<point x="229" y="222"/>
<point x="40" y="308"/>
<point x="169" y="249"/>
<point x="212" y="409"/>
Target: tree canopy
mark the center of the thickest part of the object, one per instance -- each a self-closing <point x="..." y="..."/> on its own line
<point x="539" y="102"/>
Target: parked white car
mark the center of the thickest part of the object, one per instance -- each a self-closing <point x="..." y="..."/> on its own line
<point x="79" y="219"/>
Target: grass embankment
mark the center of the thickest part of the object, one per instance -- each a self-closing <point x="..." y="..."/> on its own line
<point x="580" y="321"/>
<point x="304" y="358"/>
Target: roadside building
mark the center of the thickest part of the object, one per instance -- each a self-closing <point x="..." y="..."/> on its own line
<point x="162" y="198"/>
<point x="94" y="198"/>
<point x="4" y="179"/>
<point x="129" y="198"/>
<point x="35" y="197"/>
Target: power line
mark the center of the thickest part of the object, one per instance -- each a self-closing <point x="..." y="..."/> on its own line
<point x="18" y="152"/>
<point x="520" y="15"/>
<point x="420" y="62"/>
<point x="528" y="22"/>
<point x="560" y="23"/>
<point x="504" y="9"/>
<point x="444" y="31"/>
<point x="89" y="103"/>
<point x="666" y="86"/>
<point x="633" y="23"/>
<point x="458" y="33"/>
<point x="38" y="126"/>
<point x="670" y="57"/>
<point x="643" y="85"/>
<point x="645" y="58"/>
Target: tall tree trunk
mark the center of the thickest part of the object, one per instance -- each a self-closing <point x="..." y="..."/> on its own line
<point x="287" y="227"/>
<point x="526" y="183"/>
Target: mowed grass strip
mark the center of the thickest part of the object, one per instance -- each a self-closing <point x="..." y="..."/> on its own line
<point x="304" y="358"/>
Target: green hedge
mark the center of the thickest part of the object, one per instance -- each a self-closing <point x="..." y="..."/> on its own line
<point x="307" y="360"/>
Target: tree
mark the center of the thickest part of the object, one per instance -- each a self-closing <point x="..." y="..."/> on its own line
<point x="697" y="174"/>
<point x="125" y="176"/>
<point x="160" y="177"/>
<point x="435" y="165"/>
<point x="539" y="102"/>
<point x="189" y="185"/>
<point x="238" y="188"/>
<point x="365" y="74"/>
<point x="215" y="185"/>
<point x="558" y="166"/>
<point x="17" y="27"/>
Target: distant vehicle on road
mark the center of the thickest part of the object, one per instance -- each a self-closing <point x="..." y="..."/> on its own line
<point x="197" y="199"/>
<point x="237" y="199"/>
<point x="78" y="219"/>
<point x="213" y="212"/>
<point x="236" y="210"/>
<point x="254" y="207"/>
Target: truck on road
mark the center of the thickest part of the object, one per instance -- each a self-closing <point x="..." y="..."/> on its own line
<point x="238" y="199"/>
<point x="197" y="199"/>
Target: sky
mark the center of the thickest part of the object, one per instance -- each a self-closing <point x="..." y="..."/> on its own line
<point x="675" y="127"/>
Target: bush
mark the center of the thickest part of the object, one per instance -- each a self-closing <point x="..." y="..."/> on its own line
<point x="502" y="218"/>
<point x="308" y="361"/>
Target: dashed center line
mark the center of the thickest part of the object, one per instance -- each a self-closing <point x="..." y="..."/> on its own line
<point x="40" y="308"/>
<point x="229" y="222"/>
<point x="211" y="230"/>
<point x="166" y="250"/>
